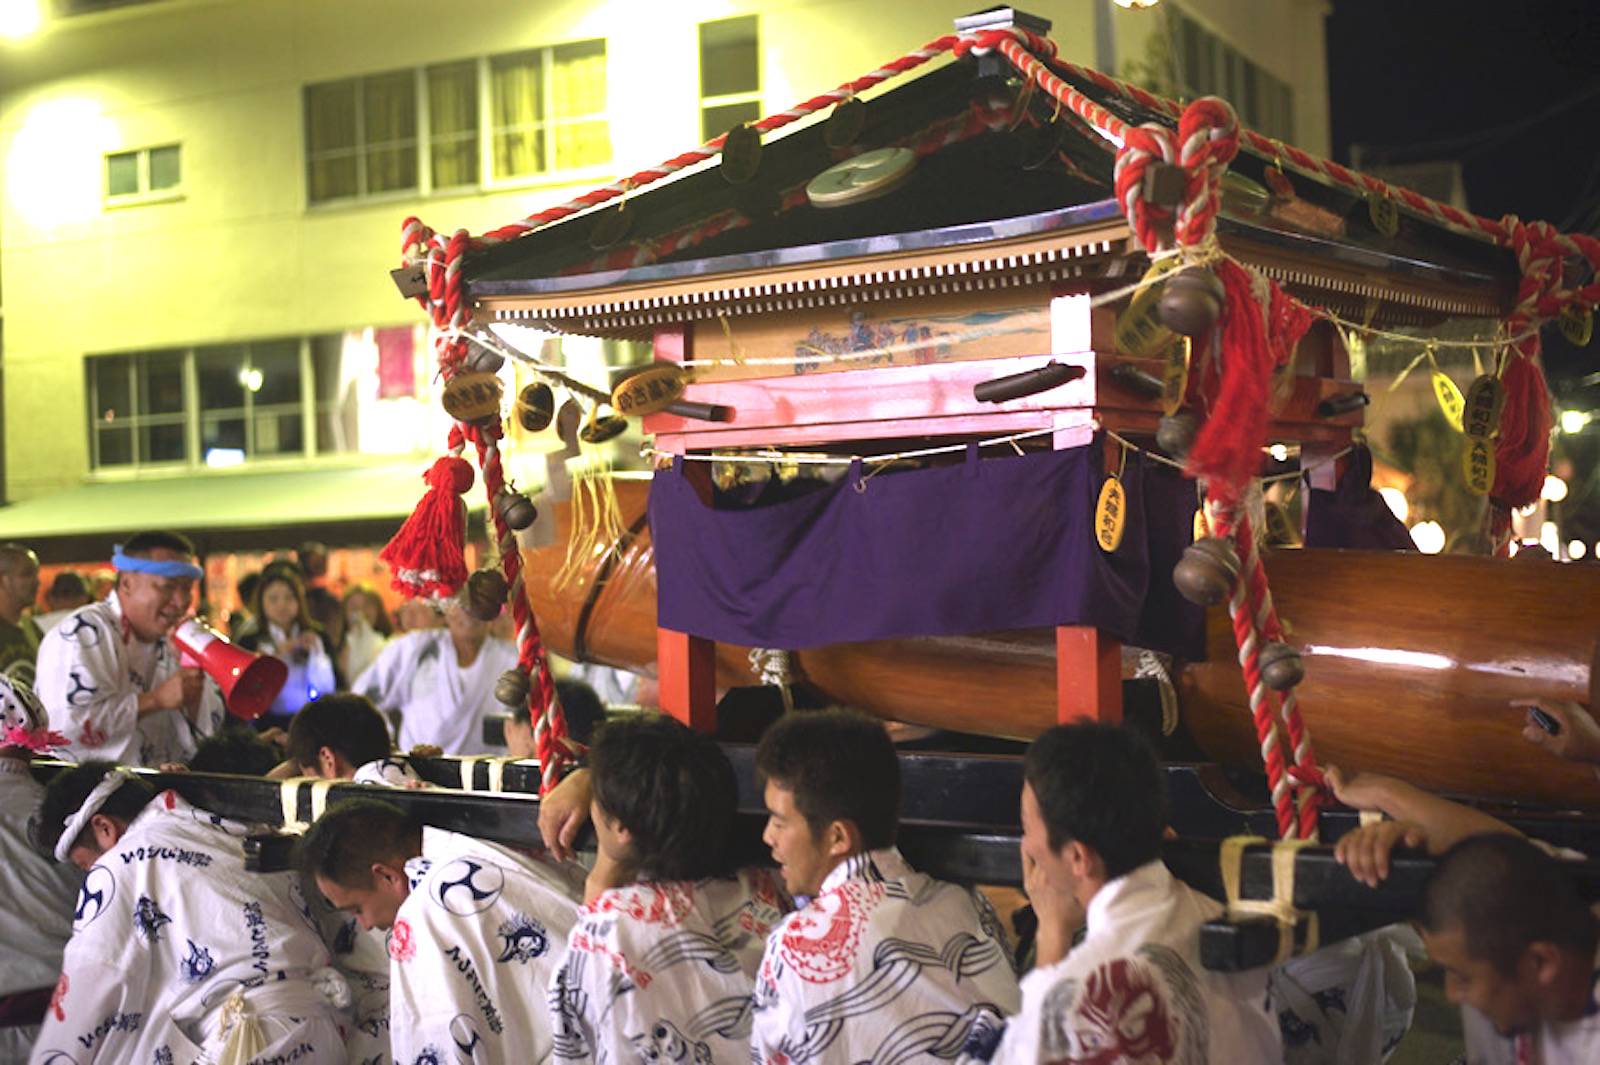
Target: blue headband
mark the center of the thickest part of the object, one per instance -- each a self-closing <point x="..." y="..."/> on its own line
<point x="165" y="567"/>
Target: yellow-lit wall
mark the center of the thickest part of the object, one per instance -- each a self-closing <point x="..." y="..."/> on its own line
<point x="242" y="257"/>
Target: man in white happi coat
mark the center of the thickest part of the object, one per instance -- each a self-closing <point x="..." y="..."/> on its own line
<point x="109" y="674"/>
<point x="882" y="963"/>
<point x="441" y="681"/>
<point x="662" y="962"/>
<point x="1093" y="814"/>
<point x="37" y="916"/>
<point x="344" y="737"/>
<point x="475" y="930"/>
<point x="1500" y="914"/>
<point x="178" y="954"/>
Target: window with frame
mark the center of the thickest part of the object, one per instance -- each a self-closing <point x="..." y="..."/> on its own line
<point x="730" y="74"/>
<point x="1211" y="67"/>
<point x="283" y="398"/>
<point x="144" y="174"/>
<point x="475" y="122"/>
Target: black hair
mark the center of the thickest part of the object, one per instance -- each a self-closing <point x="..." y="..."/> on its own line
<point x="236" y="749"/>
<point x="674" y="791"/>
<point x="65" y="795"/>
<point x="351" y="836"/>
<point x="1504" y="893"/>
<point x="580" y="705"/>
<point x="346" y="723"/>
<point x="139" y="545"/>
<point x="840" y="766"/>
<point x="1103" y="786"/>
<point x="69" y="583"/>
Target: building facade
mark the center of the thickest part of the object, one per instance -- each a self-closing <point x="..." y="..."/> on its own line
<point x="203" y="199"/>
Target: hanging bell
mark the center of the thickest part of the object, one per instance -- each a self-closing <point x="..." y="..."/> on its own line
<point x="598" y="430"/>
<point x="1191" y="301"/>
<point x="1280" y="666"/>
<point x="516" y="510"/>
<point x="486" y="594"/>
<point x="484" y="360"/>
<point x="1207" y="570"/>
<point x="513" y="688"/>
<point x="1176" y="432"/>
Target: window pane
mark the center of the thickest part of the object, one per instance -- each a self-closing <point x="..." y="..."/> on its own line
<point x="453" y="124"/>
<point x="331" y="141"/>
<point x="278" y="432"/>
<point x="161" y="443"/>
<point x="578" y="79"/>
<point x="278" y="363"/>
<point x="333" y="178"/>
<point x="331" y="116"/>
<point x="122" y="174"/>
<point x="221" y="433"/>
<point x="715" y="121"/>
<point x="517" y="94"/>
<point x="336" y="419"/>
<point x="218" y="370"/>
<point x="113" y="398"/>
<point x="389" y="111"/>
<point x="161" y="384"/>
<point x="165" y="168"/>
<point x="116" y="445"/>
<point x="582" y="144"/>
<point x="730" y="57"/>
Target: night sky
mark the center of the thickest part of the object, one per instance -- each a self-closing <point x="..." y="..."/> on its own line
<point x="1511" y="88"/>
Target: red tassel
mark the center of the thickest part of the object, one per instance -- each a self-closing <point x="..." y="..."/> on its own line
<point x="427" y="555"/>
<point x="1522" y="452"/>
<point x="1227" y="450"/>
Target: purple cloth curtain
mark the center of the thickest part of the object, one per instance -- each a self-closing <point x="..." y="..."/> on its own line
<point x="1001" y="543"/>
<point x="1354" y="514"/>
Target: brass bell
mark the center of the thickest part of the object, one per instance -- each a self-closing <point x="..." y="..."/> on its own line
<point x="1280" y="666"/>
<point x="1191" y="301"/>
<point x="484" y="360"/>
<point x="599" y="430"/>
<point x="486" y="594"/>
<point x="513" y="688"/>
<point x="1207" y="570"/>
<point x="1176" y="432"/>
<point x="516" y="510"/>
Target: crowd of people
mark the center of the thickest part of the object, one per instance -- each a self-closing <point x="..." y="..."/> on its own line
<point x="394" y="941"/>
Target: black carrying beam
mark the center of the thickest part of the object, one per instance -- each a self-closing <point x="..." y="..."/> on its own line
<point x="959" y="822"/>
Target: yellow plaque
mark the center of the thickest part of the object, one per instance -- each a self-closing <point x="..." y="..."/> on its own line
<point x="472" y="397"/>
<point x="652" y="389"/>
<point x="1477" y="462"/>
<point x="1175" y="376"/>
<point x="1480" y="414"/>
<point x="1140" y="331"/>
<point x="1450" y="400"/>
<point x="1576" y="324"/>
<point x="1110" y="515"/>
<point x="1385" y="214"/>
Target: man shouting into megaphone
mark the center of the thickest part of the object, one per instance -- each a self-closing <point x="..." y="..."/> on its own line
<point x="109" y="674"/>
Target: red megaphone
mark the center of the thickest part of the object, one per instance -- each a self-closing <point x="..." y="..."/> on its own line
<point x="249" y="681"/>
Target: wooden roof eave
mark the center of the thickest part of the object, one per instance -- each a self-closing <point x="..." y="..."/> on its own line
<point x="1356" y="283"/>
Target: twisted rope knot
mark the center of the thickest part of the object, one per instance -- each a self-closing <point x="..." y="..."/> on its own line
<point x="1142" y="146"/>
<point x="982" y="42"/>
<point x="1208" y="139"/>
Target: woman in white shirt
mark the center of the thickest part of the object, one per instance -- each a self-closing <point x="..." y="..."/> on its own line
<point x="285" y="630"/>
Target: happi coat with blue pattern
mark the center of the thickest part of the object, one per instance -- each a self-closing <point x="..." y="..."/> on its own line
<point x="472" y="951"/>
<point x="168" y="926"/>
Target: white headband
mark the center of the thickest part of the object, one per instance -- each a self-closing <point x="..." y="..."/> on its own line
<point x="113" y="780"/>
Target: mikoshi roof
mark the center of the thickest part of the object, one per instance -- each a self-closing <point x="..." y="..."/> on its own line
<point x="994" y="163"/>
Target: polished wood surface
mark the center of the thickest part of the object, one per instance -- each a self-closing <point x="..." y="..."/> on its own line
<point x="1411" y="661"/>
